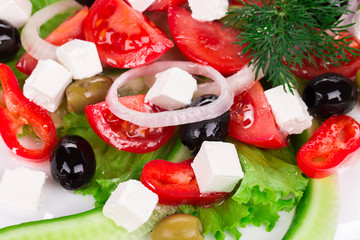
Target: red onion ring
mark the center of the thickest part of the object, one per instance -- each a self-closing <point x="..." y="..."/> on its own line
<point x="348" y="18"/>
<point x="177" y="117"/>
<point x="30" y="39"/>
<point x="238" y="82"/>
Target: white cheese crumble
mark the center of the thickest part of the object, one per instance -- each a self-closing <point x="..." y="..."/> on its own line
<point x="130" y="205"/>
<point x="140" y="5"/>
<point x="205" y="10"/>
<point x="47" y="83"/>
<point x="16" y="12"/>
<point x="173" y="89"/>
<point x="21" y="188"/>
<point x="217" y="167"/>
<point x="289" y="110"/>
<point x="80" y="58"/>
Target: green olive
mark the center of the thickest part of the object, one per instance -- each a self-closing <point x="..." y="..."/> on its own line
<point x="87" y="91"/>
<point x="178" y="227"/>
<point x="357" y="79"/>
<point x="59" y="114"/>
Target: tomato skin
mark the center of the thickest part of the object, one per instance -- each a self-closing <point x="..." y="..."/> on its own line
<point x="348" y="69"/>
<point x="175" y="183"/>
<point x="123" y="36"/>
<point x="329" y="146"/>
<point x="69" y="30"/>
<point x="124" y="135"/>
<point x="160" y="5"/>
<point x="252" y="122"/>
<point x="207" y="43"/>
<point x="20" y="111"/>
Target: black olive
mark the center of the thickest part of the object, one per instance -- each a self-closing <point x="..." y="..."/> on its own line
<point x="86" y="2"/>
<point x="330" y="94"/>
<point x="193" y="135"/>
<point x="9" y="41"/>
<point x="72" y="162"/>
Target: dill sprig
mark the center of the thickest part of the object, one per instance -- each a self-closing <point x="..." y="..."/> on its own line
<point x="281" y="34"/>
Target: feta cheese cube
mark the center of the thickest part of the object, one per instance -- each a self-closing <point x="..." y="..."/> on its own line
<point x="47" y="83"/>
<point x="130" y="205"/>
<point x="21" y="188"/>
<point x="217" y="167"/>
<point x="289" y="110"/>
<point x="205" y="10"/>
<point x="140" y="5"/>
<point x="80" y="57"/>
<point x="172" y="89"/>
<point x="16" y="12"/>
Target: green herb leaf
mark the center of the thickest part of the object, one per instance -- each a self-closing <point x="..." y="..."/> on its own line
<point x="282" y="34"/>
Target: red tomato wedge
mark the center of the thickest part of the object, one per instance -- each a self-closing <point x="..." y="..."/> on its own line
<point x="348" y="69"/>
<point x="159" y="5"/>
<point x="252" y="122"/>
<point x="175" y="184"/>
<point x="208" y="43"/>
<point x="329" y="146"/>
<point x="122" y="134"/>
<point x="69" y="30"/>
<point x="123" y="36"/>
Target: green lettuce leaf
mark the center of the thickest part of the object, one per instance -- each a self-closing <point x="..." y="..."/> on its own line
<point x="113" y="166"/>
<point x="271" y="184"/>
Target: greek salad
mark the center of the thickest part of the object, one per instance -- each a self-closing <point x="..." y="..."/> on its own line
<point x="178" y="119"/>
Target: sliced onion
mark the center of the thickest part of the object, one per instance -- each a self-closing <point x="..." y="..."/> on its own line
<point x="238" y="82"/>
<point x="177" y="117"/>
<point x="30" y="39"/>
<point x="348" y="18"/>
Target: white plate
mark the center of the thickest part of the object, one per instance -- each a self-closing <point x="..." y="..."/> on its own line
<point x="56" y="202"/>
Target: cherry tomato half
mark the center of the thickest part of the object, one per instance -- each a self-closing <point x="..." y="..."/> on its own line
<point x="349" y="69"/>
<point x="123" y="36"/>
<point x="125" y="135"/>
<point x="252" y="122"/>
<point x="208" y="43"/>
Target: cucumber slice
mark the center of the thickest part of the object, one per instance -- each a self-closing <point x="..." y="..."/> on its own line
<point x="179" y="152"/>
<point x="90" y="225"/>
<point x="317" y="213"/>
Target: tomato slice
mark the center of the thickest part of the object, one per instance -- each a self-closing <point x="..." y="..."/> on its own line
<point x="329" y="146"/>
<point x="122" y="134"/>
<point x="175" y="183"/>
<point x="348" y="69"/>
<point x="123" y="36"/>
<point x="69" y="30"/>
<point x="159" y="5"/>
<point x="252" y="122"/>
<point x="206" y="42"/>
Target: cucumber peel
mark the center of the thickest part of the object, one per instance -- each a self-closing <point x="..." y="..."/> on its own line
<point x="90" y="225"/>
<point x="317" y="213"/>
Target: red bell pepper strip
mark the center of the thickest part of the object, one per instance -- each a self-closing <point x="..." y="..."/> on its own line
<point x="20" y="111"/>
<point x="175" y="184"/>
<point x="329" y="146"/>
